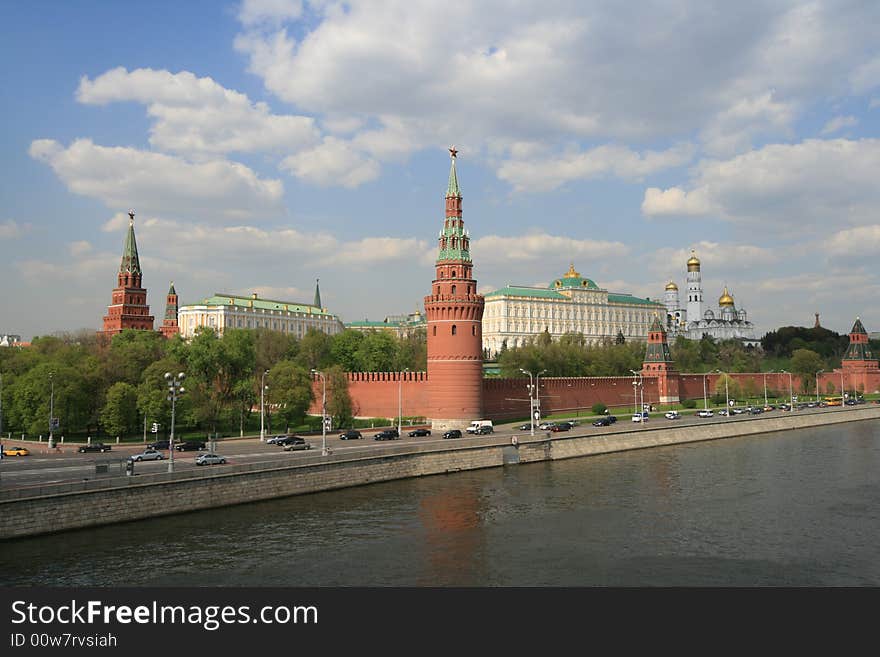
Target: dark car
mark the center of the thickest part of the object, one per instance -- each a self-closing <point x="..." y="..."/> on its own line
<point x="613" y="418"/>
<point x="159" y="444"/>
<point x="290" y="440"/>
<point x="525" y="427"/>
<point x="757" y="410"/>
<point x="452" y="433"/>
<point x="190" y="445"/>
<point x="561" y="426"/>
<point x="602" y="422"/>
<point x="415" y="433"/>
<point x="388" y="434"/>
<point x="483" y="430"/>
<point x="94" y="447"/>
<point x="351" y="434"/>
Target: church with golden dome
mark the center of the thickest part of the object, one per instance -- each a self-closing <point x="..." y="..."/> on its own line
<point x="694" y="319"/>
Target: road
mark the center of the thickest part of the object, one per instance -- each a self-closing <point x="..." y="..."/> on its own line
<point x="42" y="467"/>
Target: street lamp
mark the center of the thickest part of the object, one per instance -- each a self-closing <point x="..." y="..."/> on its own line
<point x="531" y="402"/>
<point x="766" y="403"/>
<point x="262" y="405"/>
<point x="842" y="389"/>
<point x="175" y="390"/>
<point x="52" y="410"/>
<point x="817" y="385"/>
<point x="400" y="402"/>
<point x="790" y="390"/>
<point x="641" y="390"/>
<point x="705" y="399"/>
<point x="726" y="392"/>
<point x="323" y="412"/>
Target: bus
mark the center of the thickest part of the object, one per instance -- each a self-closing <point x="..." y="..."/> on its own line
<point x="834" y="401"/>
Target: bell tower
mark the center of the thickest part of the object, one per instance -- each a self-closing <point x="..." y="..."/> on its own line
<point x="454" y="313"/>
<point x="128" y="307"/>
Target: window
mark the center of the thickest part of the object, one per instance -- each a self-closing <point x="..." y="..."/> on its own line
<point x="474" y="330"/>
<point x="454" y="329"/>
<point x="453" y="289"/>
<point x="453" y="273"/>
<point x="435" y="330"/>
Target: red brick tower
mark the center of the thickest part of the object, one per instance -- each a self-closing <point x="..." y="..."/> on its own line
<point x="658" y="363"/>
<point x="169" y="326"/>
<point x="128" y="308"/>
<point x="454" y="312"/>
<point x="859" y="364"/>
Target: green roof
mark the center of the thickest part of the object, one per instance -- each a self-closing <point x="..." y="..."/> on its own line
<point x="517" y="291"/>
<point x="130" y="262"/>
<point x="264" y="304"/>
<point x="628" y="298"/>
<point x="452" y="188"/>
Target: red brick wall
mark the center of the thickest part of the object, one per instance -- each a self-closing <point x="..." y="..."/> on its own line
<point x="375" y="394"/>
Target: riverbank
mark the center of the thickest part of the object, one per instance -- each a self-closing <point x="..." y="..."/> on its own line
<point x="123" y="499"/>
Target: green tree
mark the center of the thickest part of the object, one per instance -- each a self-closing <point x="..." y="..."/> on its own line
<point x="339" y="405"/>
<point x="377" y="352"/>
<point x="314" y="350"/>
<point x="806" y="363"/>
<point x="119" y="416"/>
<point x="290" y="389"/>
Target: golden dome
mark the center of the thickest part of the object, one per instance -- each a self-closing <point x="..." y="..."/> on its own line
<point x="571" y="273"/>
<point x="671" y="286"/>
<point x="693" y="262"/>
<point x="725" y="299"/>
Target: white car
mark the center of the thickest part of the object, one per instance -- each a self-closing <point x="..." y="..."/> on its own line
<point x="673" y="415"/>
<point x="640" y="417"/>
<point x="210" y="459"/>
<point x="705" y="413"/>
<point x="147" y="455"/>
<point x="546" y="426"/>
<point x="737" y="411"/>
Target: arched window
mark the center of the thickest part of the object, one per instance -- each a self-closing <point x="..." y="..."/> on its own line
<point x="453" y="273"/>
<point x="473" y="330"/>
<point x="453" y="289"/>
<point x="435" y="330"/>
<point x="454" y="329"/>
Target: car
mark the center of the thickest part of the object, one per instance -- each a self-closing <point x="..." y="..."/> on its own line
<point x="147" y="455"/>
<point x="159" y="444"/>
<point x="546" y="426"/>
<point x="210" y="459"/>
<point x="561" y="426"/>
<point x="289" y="440"/>
<point x="706" y="412"/>
<point x="672" y="415"/>
<point x="812" y="404"/>
<point x="190" y="446"/>
<point x="757" y="410"/>
<point x="351" y="434"/>
<point x="640" y="417"/>
<point x="737" y="411"/>
<point x="274" y="439"/>
<point x="524" y="427"/>
<point x="295" y="447"/>
<point x="93" y="447"/>
<point x="388" y="434"/>
<point x="769" y="407"/>
<point x="16" y="451"/>
<point x="484" y="430"/>
<point x="602" y="422"/>
<point x="417" y="433"/>
<point x="850" y="402"/>
<point x="613" y="418"/>
<point x="452" y="433"/>
<point x="724" y="412"/>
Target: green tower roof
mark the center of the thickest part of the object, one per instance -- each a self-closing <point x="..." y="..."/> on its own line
<point x="317" y="302"/>
<point x="130" y="262"/>
<point x="452" y="189"/>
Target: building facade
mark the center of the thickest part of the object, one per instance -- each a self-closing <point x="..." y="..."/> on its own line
<point x="570" y="304"/>
<point x="128" y="308"/>
<point x="229" y="311"/>
<point x="400" y="325"/>
<point x="694" y="318"/>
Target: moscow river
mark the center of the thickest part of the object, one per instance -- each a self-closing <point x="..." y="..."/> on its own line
<point x="800" y="508"/>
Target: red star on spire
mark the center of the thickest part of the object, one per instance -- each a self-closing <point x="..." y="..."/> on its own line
<point x="453" y="152"/>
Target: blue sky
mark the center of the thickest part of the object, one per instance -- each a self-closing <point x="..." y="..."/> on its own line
<point x="268" y="143"/>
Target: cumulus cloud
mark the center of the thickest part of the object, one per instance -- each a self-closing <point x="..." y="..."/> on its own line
<point x="10" y="230"/>
<point x="333" y="162"/>
<point x="497" y="249"/>
<point x="127" y="177"/>
<point x="79" y="248"/>
<point x="812" y="183"/>
<point x="838" y="123"/>
<point x="256" y="12"/>
<point x="198" y="116"/>
<point x="863" y="241"/>
<point x="715" y="257"/>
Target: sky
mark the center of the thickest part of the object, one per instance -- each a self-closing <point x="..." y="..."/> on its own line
<point x="265" y="144"/>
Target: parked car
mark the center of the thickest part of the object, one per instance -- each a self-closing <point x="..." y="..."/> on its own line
<point x="484" y="430"/>
<point x="94" y="447"/>
<point x="147" y="455"/>
<point x="274" y="439"/>
<point x="16" y="451"/>
<point x="707" y="412"/>
<point x="210" y="459"/>
<point x="452" y="433"/>
<point x="289" y="440"/>
<point x="388" y="434"/>
<point x="525" y="427"/>
<point x="757" y="410"/>
<point x="672" y="415"/>
<point x="546" y="426"/>
<point x="640" y="417"/>
<point x="737" y="411"/>
<point x="417" y="433"/>
<point x="159" y="444"/>
<point x="295" y="447"/>
<point x="561" y="426"/>
<point x="351" y="434"/>
<point x="190" y="446"/>
<point x="613" y="418"/>
<point x="602" y="422"/>
<point x="723" y="412"/>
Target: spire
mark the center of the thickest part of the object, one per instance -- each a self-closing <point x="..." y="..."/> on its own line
<point x="171" y="289"/>
<point x="130" y="263"/>
<point x="171" y="306"/>
<point x="317" y="302"/>
<point x="452" y="190"/>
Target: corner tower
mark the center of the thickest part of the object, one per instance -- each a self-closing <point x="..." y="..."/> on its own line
<point x="169" y="326"/>
<point x="859" y="363"/>
<point x="128" y="307"/>
<point x="658" y="363"/>
<point x="454" y="313"/>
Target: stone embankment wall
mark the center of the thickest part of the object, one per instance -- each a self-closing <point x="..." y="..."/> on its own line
<point x="73" y="510"/>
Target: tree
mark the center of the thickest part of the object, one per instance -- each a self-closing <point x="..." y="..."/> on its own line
<point x="339" y="405"/>
<point x="291" y="391"/>
<point x="807" y="363"/>
<point x="120" y="414"/>
<point x="377" y="352"/>
<point x="344" y="348"/>
<point x="314" y="350"/>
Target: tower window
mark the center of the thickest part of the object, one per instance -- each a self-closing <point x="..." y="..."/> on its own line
<point x="473" y="330"/>
<point x="454" y="329"/>
<point x="453" y="289"/>
<point x="435" y="330"/>
<point x="453" y="273"/>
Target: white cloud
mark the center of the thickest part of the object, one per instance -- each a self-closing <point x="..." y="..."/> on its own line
<point x="733" y="129"/>
<point x="198" y="117"/>
<point x="79" y="248"/>
<point x="333" y="162"/>
<point x="839" y="123"/>
<point x="255" y="12"/>
<point x="126" y="177"/>
<point x="714" y="257"/>
<point x="10" y="230"/>
<point x="866" y="76"/>
<point x="620" y="161"/>
<point x="812" y="184"/>
<point x="500" y="250"/>
<point x="863" y="241"/>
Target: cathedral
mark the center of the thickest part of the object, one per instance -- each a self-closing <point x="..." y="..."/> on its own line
<point x="696" y="319"/>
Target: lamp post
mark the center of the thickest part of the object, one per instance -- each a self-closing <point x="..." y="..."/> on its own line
<point x="790" y="390"/>
<point x="842" y="389"/>
<point x="531" y="402"/>
<point x="400" y="402"/>
<point x="817" y="384"/>
<point x="175" y="390"/>
<point x="726" y="392"/>
<point x="538" y="391"/>
<point x="705" y="399"/>
<point x="641" y="390"/>
<point x="52" y="409"/>
<point x="766" y="403"/>
<point x="262" y="406"/>
<point x="323" y="412"/>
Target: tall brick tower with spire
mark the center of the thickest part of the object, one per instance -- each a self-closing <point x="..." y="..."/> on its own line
<point x="859" y="364"/>
<point x="658" y="363"/>
<point x="128" y="308"/>
<point x="454" y="313"/>
<point x="169" y="326"/>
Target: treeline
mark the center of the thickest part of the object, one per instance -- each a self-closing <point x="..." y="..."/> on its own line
<point x="111" y="387"/>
